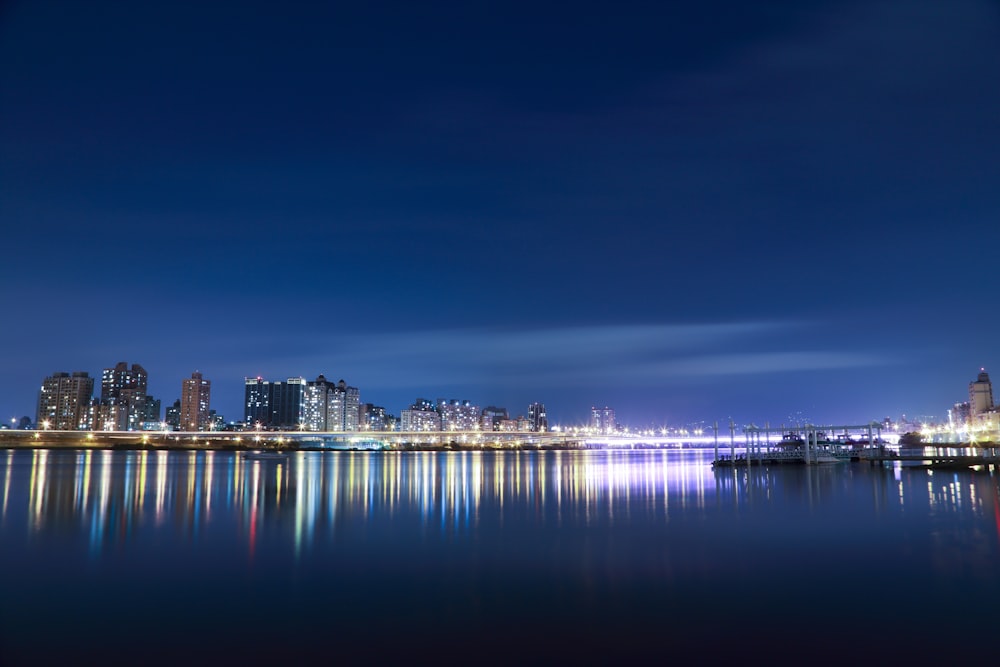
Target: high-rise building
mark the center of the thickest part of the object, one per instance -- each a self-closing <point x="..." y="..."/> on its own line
<point x="981" y="393"/>
<point x="537" y="419"/>
<point x="151" y="415"/>
<point x="172" y="416"/>
<point x="458" y="415"/>
<point x="126" y="386"/>
<point x="343" y="413"/>
<point x="196" y="394"/>
<point x="291" y="404"/>
<point x="421" y="416"/>
<point x="492" y="416"/>
<point x="374" y="418"/>
<point x="257" y="402"/>
<point x="602" y="420"/>
<point x="64" y="400"/>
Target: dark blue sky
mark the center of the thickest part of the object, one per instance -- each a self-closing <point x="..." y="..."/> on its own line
<point x="688" y="211"/>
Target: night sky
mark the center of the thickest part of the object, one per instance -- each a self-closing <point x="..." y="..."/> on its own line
<point x="687" y="211"/>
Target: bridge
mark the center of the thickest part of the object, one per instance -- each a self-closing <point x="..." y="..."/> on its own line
<point x="378" y="440"/>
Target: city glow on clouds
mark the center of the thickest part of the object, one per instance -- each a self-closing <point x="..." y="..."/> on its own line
<point x="641" y="354"/>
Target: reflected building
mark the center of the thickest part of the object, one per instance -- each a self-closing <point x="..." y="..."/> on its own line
<point x="64" y="401"/>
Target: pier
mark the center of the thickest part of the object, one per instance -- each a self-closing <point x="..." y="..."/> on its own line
<point x="811" y="445"/>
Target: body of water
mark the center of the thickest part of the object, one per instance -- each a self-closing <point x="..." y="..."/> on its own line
<point x="526" y="557"/>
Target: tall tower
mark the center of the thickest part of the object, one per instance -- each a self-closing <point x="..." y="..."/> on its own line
<point x="602" y="420"/>
<point x="538" y="420"/>
<point x="63" y="401"/>
<point x="126" y="387"/>
<point x="195" y="395"/>
<point x="981" y="394"/>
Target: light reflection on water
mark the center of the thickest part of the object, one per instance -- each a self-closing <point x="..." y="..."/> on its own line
<point x="109" y="493"/>
<point x="575" y="548"/>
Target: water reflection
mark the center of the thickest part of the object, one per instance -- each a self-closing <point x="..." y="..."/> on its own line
<point x="109" y="494"/>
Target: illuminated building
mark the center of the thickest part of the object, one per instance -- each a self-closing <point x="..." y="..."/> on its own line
<point x="330" y="407"/>
<point x="195" y="396"/>
<point x="318" y="405"/>
<point x="64" y="400"/>
<point x="172" y="416"/>
<point x="602" y="420"/>
<point x="537" y="419"/>
<point x="458" y="415"/>
<point x="343" y="413"/>
<point x="421" y="416"/>
<point x="107" y="415"/>
<point x="374" y="418"/>
<point x="257" y="402"/>
<point x="981" y="394"/>
<point x="125" y="386"/>
<point x="492" y="416"/>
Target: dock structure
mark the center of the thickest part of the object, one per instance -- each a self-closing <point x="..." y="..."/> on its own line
<point x="809" y="444"/>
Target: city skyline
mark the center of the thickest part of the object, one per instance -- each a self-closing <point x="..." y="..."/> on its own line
<point x="323" y="405"/>
<point x="684" y="211"/>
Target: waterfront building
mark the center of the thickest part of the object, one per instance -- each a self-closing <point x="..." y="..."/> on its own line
<point x="64" y="400"/>
<point x="151" y="413"/>
<point x="172" y="416"/>
<point x="257" y="401"/>
<point x="296" y="403"/>
<point x="420" y="416"/>
<point x="107" y="415"/>
<point x="505" y="425"/>
<point x="492" y="416"/>
<point x="523" y="423"/>
<point x="196" y="394"/>
<point x="343" y="413"/>
<point x="602" y="420"/>
<point x="458" y="415"/>
<point x="125" y="385"/>
<point x="981" y="393"/>
<point x="538" y="420"/>
<point x="327" y="406"/>
<point x="374" y="418"/>
<point x="959" y="416"/>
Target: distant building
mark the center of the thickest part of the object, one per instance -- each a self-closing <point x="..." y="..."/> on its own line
<point x="196" y="394"/>
<point x="538" y="420"/>
<point x="960" y="415"/>
<point x="374" y="418"/>
<point x="420" y="416"/>
<point x="492" y="416"/>
<point x="981" y="394"/>
<point x="107" y="415"/>
<point x="172" y="416"/>
<point x="458" y="415"/>
<point x="317" y="405"/>
<point x="602" y="420"/>
<point x="124" y="386"/>
<point x="64" y="400"/>
<point x="257" y="402"/>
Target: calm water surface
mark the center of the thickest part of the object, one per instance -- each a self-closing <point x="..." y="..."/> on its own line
<point x="641" y="556"/>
